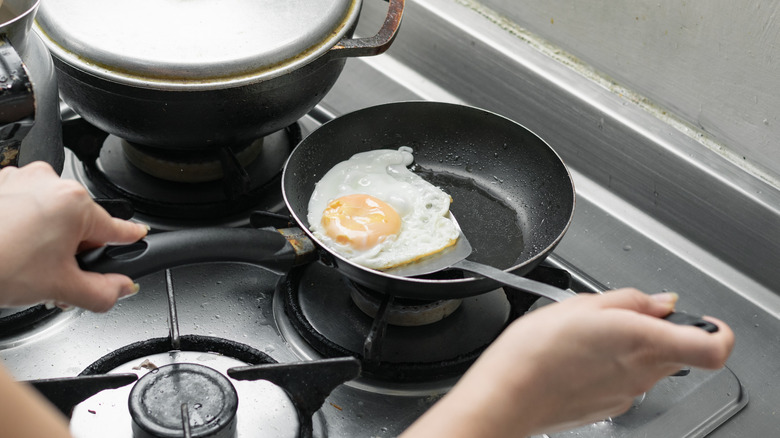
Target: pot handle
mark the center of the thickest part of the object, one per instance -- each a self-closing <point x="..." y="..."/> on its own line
<point x="275" y="250"/>
<point x="376" y="44"/>
<point x="17" y="102"/>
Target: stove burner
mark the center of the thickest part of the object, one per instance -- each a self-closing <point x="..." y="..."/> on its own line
<point x="318" y="301"/>
<point x="205" y="344"/>
<point x="219" y="183"/>
<point x="172" y="398"/>
<point x="189" y="166"/>
<point x="13" y="321"/>
<point x="404" y="312"/>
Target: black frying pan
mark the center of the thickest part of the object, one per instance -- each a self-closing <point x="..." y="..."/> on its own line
<point x="512" y="196"/>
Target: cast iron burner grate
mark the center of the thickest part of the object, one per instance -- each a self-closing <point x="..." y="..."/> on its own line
<point x="198" y="389"/>
<point x="437" y="351"/>
<point x="244" y="185"/>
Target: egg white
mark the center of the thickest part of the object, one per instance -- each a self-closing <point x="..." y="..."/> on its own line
<point x="384" y="174"/>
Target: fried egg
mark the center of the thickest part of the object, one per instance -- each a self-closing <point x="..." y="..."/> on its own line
<point x="374" y="211"/>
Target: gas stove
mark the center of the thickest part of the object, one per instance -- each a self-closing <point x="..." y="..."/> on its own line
<point x="243" y="322"/>
<point x="227" y="317"/>
<point x="307" y="353"/>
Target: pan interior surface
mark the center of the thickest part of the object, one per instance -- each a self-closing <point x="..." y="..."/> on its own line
<point x="512" y="195"/>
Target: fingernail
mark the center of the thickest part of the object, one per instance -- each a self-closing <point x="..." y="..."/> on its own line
<point x="129" y="290"/>
<point x="668" y="298"/>
<point x="65" y="307"/>
<point x="49" y="304"/>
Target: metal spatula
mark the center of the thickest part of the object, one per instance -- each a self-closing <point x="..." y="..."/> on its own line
<point x="455" y="257"/>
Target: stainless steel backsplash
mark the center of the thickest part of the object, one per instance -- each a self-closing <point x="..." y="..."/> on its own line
<point x="620" y="114"/>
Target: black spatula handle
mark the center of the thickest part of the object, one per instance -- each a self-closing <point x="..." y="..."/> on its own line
<point x="683" y="318"/>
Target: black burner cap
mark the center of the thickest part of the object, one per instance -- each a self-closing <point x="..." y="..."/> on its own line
<point x="156" y="402"/>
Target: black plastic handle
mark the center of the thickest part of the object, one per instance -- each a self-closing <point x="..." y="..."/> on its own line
<point x="682" y="318"/>
<point x="268" y="248"/>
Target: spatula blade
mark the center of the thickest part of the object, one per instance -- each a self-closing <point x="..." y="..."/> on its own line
<point x="439" y="261"/>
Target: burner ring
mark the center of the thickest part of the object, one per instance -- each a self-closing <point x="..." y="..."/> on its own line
<point x="199" y="343"/>
<point x="309" y="294"/>
<point x="157" y="398"/>
<point x="193" y="167"/>
<point x="19" y="321"/>
<point x="405" y="313"/>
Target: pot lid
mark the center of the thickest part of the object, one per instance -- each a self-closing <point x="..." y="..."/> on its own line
<point x="144" y="42"/>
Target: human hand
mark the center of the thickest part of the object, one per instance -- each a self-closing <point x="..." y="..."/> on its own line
<point x="46" y="221"/>
<point x="573" y="363"/>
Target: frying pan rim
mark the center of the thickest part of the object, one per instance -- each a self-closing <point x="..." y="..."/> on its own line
<point x="540" y="254"/>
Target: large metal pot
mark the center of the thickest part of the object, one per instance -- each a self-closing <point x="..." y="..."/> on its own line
<point x="30" y="128"/>
<point x="198" y="74"/>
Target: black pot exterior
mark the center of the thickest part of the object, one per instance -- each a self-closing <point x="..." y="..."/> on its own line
<point x="198" y="119"/>
<point x="210" y="112"/>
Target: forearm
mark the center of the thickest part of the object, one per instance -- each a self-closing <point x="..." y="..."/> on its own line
<point x="25" y="413"/>
<point x="476" y="407"/>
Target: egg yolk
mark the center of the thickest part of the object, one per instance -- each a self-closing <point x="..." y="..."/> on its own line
<point x="360" y="221"/>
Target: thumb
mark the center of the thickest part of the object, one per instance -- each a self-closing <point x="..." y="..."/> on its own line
<point x="658" y="305"/>
<point x="102" y="228"/>
<point x="97" y="292"/>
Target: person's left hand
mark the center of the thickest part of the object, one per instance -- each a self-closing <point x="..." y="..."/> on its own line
<point x="46" y="221"/>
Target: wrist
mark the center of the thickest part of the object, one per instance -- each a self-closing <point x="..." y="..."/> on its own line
<point x="483" y="406"/>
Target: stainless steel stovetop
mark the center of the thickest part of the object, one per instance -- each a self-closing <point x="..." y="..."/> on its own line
<point x="243" y="303"/>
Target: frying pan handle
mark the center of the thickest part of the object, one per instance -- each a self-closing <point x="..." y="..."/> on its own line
<point x="275" y="250"/>
<point x="558" y="295"/>
<point x="376" y="44"/>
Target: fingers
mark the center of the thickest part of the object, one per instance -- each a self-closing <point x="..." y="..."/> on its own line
<point x="673" y="343"/>
<point x="96" y="292"/>
<point x="658" y="305"/>
<point x="693" y="346"/>
<point x="71" y="199"/>
<point x="106" y="229"/>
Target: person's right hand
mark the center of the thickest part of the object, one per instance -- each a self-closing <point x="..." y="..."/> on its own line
<point x="46" y="221"/>
<point x="573" y="363"/>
